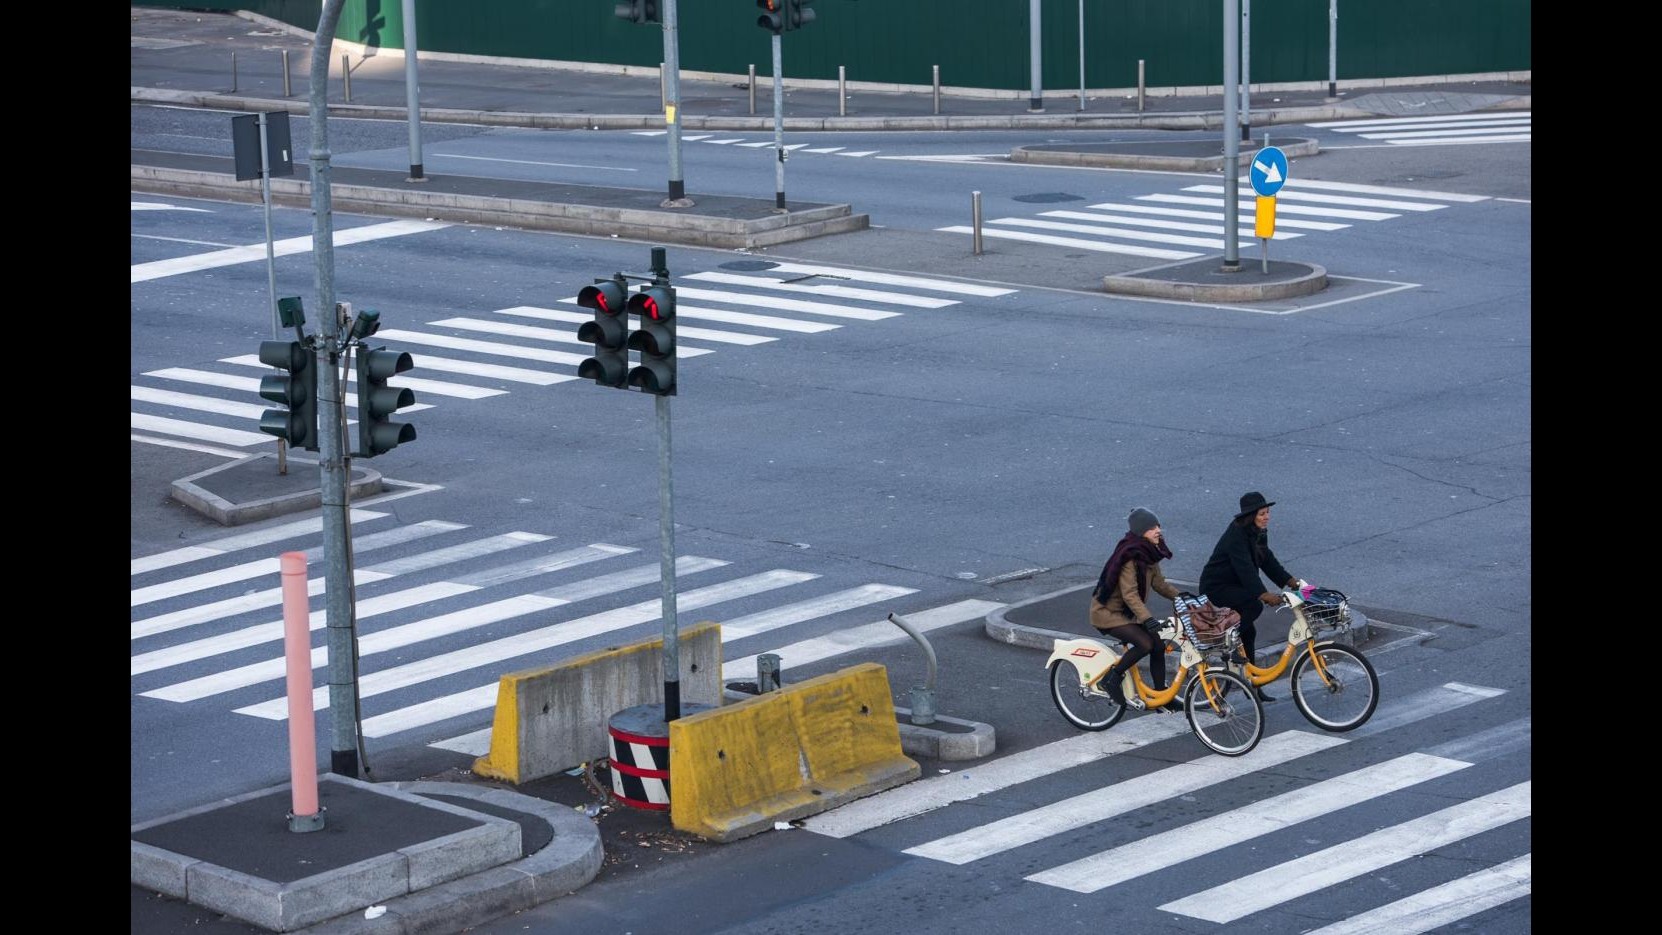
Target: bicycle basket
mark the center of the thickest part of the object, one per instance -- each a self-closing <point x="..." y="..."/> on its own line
<point x="1205" y="623"/>
<point x="1326" y="608"/>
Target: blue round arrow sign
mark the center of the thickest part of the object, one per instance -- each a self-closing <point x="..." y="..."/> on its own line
<point x="1269" y="171"/>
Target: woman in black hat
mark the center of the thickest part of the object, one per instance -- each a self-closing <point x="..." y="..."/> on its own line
<point x="1117" y="604"/>
<point x="1231" y="576"/>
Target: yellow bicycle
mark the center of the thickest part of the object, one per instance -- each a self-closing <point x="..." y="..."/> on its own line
<point x="1333" y="685"/>
<point x="1222" y="710"/>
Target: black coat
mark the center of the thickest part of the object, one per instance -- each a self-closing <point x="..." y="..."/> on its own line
<point x="1241" y="554"/>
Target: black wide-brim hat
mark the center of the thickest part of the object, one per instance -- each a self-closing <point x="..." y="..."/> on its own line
<point x="1253" y="502"/>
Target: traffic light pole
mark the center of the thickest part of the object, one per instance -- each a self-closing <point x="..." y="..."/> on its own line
<point x="666" y="531"/>
<point x="778" y="126"/>
<point x="1231" y="138"/>
<point x="672" y="108"/>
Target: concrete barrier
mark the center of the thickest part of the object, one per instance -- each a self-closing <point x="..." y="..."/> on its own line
<point x="551" y="719"/>
<point x="786" y="754"/>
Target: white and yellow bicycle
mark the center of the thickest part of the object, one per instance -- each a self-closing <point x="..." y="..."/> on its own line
<point x="1222" y="709"/>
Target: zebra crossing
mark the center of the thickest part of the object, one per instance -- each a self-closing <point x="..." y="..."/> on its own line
<point x="207" y="630"/>
<point x="742" y="143"/>
<point x="1440" y="130"/>
<point x="472" y="356"/>
<point x="1183" y="225"/>
<point x="1007" y="817"/>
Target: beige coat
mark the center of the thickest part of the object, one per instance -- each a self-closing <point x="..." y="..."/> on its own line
<point x="1124" y="607"/>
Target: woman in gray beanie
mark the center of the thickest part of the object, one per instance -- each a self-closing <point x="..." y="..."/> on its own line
<point x="1117" y="604"/>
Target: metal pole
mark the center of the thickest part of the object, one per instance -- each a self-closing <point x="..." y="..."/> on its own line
<point x="233" y="72"/>
<point x="346" y="75"/>
<point x="937" y="80"/>
<point x="1081" y="54"/>
<point x="842" y="91"/>
<point x="1140" y="86"/>
<point x="1231" y="142"/>
<point x="1246" y="70"/>
<point x="270" y="264"/>
<point x="343" y="703"/>
<point x="1332" y="48"/>
<point x="672" y="107"/>
<point x="666" y="538"/>
<point x="412" y="90"/>
<point x="778" y="128"/>
<point x="1036" y="101"/>
<point x="752" y="90"/>
<point x="975" y="221"/>
<point x="663" y="94"/>
<point x="286" y="92"/>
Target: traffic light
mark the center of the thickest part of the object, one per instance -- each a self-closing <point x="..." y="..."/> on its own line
<point x="297" y="390"/>
<point x="377" y="402"/>
<point x="609" y="332"/>
<point x="798" y="14"/>
<point x="773" y="15"/>
<point x="655" y="339"/>
<point x="637" y="11"/>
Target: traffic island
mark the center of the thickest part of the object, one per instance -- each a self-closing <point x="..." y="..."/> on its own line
<point x="1167" y="155"/>
<point x="1206" y="280"/>
<point x="251" y="489"/>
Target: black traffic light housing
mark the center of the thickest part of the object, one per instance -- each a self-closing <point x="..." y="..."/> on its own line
<point x="296" y="389"/>
<point x="798" y="14"/>
<point x="377" y="402"/>
<point x="655" y="339"/>
<point x="609" y="332"/>
<point x="637" y="11"/>
<point x="773" y="15"/>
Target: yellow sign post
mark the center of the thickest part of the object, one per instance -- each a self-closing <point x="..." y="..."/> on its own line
<point x="1263" y="225"/>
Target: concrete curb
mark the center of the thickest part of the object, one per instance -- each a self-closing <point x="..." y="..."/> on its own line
<point x="1311" y="280"/>
<point x="1016" y="634"/>
<point x="188" y="491"/>
<point x="1042" y="154"/>
<point x="571" y="860"/>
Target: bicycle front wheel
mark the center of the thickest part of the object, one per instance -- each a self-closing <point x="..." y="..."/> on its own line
<point x="1224" y="712"/>
<point x="1339" y="696"/>
<point x="1085" y="708"/>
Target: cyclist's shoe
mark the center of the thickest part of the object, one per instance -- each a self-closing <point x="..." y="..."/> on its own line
<point x="1111" y="684"/>
<point x="1265" y="696"/>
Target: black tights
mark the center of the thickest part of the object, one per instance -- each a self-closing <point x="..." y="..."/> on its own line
<point x="1141" y="643"/>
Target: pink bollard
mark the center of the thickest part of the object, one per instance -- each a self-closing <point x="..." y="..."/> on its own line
<point x="297" y="652"/>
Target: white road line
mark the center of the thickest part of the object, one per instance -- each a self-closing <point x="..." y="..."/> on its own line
<point x="1152" y="222"/>
<point x="510" y="647"/>
<point x="212" y="404"/>
<point x="1443" y="118"/>
<point x="892" y="279"/>
<point x="1424" y="704"/>
<point x="1331" y="866"/>
<point x="841" y="292"/>
<point x="826" y="149"/>
<point x="1448" y="134"/>
<point x="1175" y="239"/>
<point x="788" y="305"/>
<point x="813" y="608"/>
<point x="1266" y="816"/>
<point x="881" y="633"/>
<point x="207" y="433"/>
<point x="1458" y="141"/>
<point x="1100" y="246"/>
<point x="1280" y="209"/>
<point x="866" y="152"/>
<point x="683" y="310"/>
<point x="247" y="540"/>
<point x="533" y="162"/>
<point x="757" y="145"/>
<point x="158" y="269"/>
<point x="437" y="387"/>
<point x="736" y="139"/>
<point x="1441" y="905"/>
<point x="1296" y="195"/>
<point x="697" y="334"/>
<point x="1481" y="126"/>
<point x="1245" y="214"/>
<point x="1301" y="184"/>
<point x="926" y="795"/>
<point x="509" y="329"/>
<point x="513" y="351"/>
<point x="1118" y="799"/>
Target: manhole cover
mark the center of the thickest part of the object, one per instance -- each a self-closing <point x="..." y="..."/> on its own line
<point x="749" y="265"/>
<point x="1046" y="198"/>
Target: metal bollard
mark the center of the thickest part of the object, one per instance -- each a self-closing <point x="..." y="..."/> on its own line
<point x="346" y="75"/>
<point x="923" y="696"/>
<point x="767" y="673"/>
<point x="1140" y="86"/>
<point x="937" y="70"/>
<point x="234" y="88"/>
<point x="752" y="90"/>
<point x="842" y="92"/>
<point x="286" y="91"/>
<point x="975" y="221"/>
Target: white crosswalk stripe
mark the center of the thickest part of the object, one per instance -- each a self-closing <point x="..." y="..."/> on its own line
<point x="1441" y="905"/>
<point x="1438" y="130"/>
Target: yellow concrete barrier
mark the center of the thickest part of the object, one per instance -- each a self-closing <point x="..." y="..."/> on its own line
<point x="798" y="751"/>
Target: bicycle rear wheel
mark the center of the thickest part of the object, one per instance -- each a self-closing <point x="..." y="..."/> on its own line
<point x="1228" y="719"/>
<point x="1346" y="698"/>
<point x="1085" y="708"/>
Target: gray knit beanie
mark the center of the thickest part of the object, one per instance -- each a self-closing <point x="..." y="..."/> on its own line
<point x="1142" y="521"/>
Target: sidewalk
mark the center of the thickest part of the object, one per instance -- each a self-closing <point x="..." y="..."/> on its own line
<point x="199" y="59"/>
